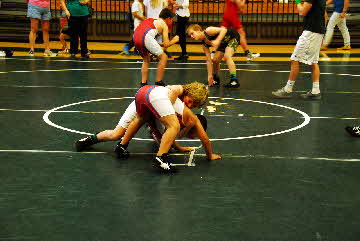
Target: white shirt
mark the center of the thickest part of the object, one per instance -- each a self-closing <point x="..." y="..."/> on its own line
<point x="154" y="12"/>
<point x="137" y="7"/>
<point x="184" y="11"/>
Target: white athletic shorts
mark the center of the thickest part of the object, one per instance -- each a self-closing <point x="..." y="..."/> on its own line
<point x="159" y="99"/>
<point x="151" y="44"/>
<point x="129" y="115"/>
<point x="308" y="48"/>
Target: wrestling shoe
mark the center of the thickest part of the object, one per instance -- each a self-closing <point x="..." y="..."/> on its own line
<point x="84" y="143"/>
<point x="354" y="131"/>
<point x="121" y="151"/>
<point x="232" y="84"/>
<point x="160" y="83"/>
<point x="162" y="163"/>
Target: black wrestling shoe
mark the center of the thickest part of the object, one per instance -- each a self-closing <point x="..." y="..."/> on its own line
<point x="143" y="84"/>
<point x="84" y="143"/>
<point x="232" y="84"/>
<point x="162" y="163"/>
<point x="354" y="131"/>
<point x="121" y="151"/>
<point x="182" y="57"/>
<point x="160" y="83"/>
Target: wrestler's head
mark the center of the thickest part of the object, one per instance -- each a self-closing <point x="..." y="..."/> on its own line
<point x="195" y="94"/>
<point x="195" y="32"/>
<point x="167" y="15"/>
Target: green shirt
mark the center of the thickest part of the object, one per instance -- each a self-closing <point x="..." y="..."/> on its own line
<point x="76" y="9"/>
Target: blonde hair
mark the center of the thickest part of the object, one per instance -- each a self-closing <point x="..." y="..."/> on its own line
<point x="193" y="27"/>
<point x="198" y="91"/>
<point x="157" y="3"/>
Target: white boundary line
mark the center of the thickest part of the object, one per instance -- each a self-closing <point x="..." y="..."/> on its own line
<point x="304" y="123"/>
<point x="179" y="154"/>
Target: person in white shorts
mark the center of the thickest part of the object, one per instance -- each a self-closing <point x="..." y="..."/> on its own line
<point x="145" y="43"/>
<point x="307" y="48"/>
<point x="155" y="102"/>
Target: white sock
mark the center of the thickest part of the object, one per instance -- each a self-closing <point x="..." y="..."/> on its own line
<point x="289" y="85"/>
<point x="316" y="88"/>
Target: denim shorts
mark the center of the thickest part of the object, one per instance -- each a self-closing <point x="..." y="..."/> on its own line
<point x="38" y="12"/>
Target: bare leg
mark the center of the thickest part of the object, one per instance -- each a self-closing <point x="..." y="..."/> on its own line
<point x="216" y="62"/>
<point x="132" y="130"/>
<point x="294" y="70"/>
<point x="315" y="72"/>
<point x="145" y="69"/>
<point x="172" y="129"/>
<point x="243" y="41"/>
<point x="161" y="67"/>
<point x="45" y="26"/>
<point x="229" y="52"/>
<point x="62" y="40"/>
<point x="33" y="31"/>
<point x="111" y="135"/>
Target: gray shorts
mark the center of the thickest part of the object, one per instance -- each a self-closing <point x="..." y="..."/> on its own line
<point x="38" y="12"/>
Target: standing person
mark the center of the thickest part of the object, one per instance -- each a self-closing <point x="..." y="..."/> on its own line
<point x="231" y="19"/>
<point x="137" y="11"/>
<point x="183" y="15"/>
<point x="338" y="18"/>
<point x="154" y="7"/>
<point x="145" y="42"/>
<point x="64" y="27"/>
<point x="78" y="13"/>
<point x="39" y="10"/>
<point x="307" y="48"/>
<point x="228" y="41"/>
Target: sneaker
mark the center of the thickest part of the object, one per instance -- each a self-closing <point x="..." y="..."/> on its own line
<point x="31" y="53"/>
<point x="85" y="56"/>
<point x="354" y="131"/>
<point x="48" y="53"/>
<point x="160" y="83"/>
<point x="232" y="84"/>
<point x="182" y="57"/>
<point x="143" y="84"/>
<point x="310" y="96"/>
<point x="162" y="163"/>
<point x="345" y="47"/>
<point x="126" y="50"/>
<point x="84" y="143"/>
<point x="323" y="48"/>
<point x="121" y="151"/>
<point x="251" y="56"/>
<point x="64" y="51"/>
<point x="282" y="94"/>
